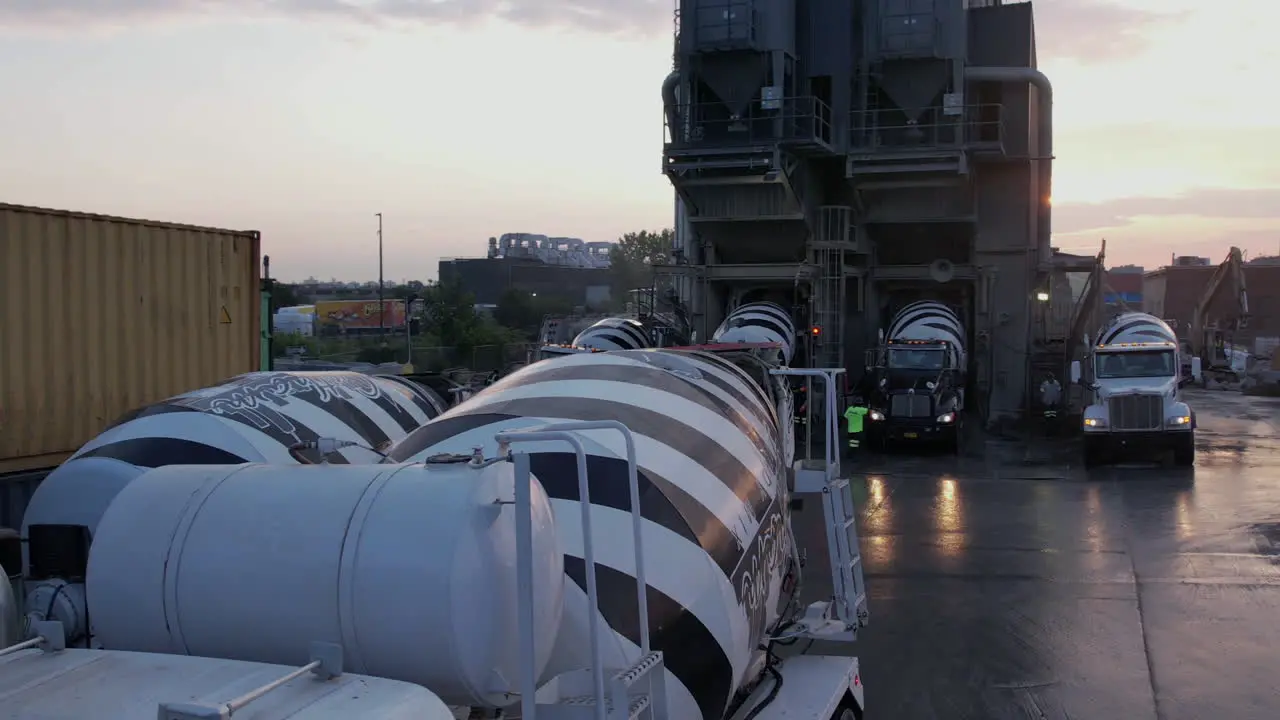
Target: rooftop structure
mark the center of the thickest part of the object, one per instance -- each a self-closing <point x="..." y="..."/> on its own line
<point x="571" y="252"/>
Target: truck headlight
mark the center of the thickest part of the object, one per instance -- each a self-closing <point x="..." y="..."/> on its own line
<point x="876" y="415"/>
<point x="1179" y="420"/>
<point x="947" y="418"/>
<point x="1095" y="423"/>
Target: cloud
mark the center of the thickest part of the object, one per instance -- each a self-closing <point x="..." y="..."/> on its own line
<point x="1095" y="31"/>
<point x="1213" y="203"/>
<point x="637" y="17"/>
<point x="1249" y="153"/>
<point x="1088" y="30"/>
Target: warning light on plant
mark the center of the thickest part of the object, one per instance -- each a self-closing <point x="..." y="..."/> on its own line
<point x="815" y="330"/>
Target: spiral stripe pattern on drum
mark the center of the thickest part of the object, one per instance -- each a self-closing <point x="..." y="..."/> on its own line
<point x="759" y="322"/>
<point x="927" y="320"/>
<point x="256" y="417"/>
<point x="1137" y="327"/>
<point x="712" y="494"/>
<point x="614" y="334"/>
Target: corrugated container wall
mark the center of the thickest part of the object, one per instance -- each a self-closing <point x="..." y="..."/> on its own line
<point x="101" y="315"/>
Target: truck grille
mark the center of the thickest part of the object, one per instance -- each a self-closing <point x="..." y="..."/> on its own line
<point x="1137" y="412"/>
<point x="911" y="406"/>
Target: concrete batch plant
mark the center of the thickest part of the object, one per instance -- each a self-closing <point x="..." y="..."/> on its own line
<point x="847" y="158"/>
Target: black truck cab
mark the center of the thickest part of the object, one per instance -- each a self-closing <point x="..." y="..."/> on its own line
<point x="918" y="393"/>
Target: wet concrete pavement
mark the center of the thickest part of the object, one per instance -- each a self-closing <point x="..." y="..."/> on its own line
<point x="1013" y="583"/>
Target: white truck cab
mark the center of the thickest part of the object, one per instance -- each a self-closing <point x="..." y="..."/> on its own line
<point x="1134" y="400"/>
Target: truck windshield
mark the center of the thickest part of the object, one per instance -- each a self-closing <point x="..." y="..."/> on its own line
<point x="917" y="358"/>
<point x="1147" y="363"/>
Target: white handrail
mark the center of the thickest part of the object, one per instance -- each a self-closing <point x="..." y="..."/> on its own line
<point x="524" y="549"/>
<point x="524" y="565"/>
<point x="830" y="426"/>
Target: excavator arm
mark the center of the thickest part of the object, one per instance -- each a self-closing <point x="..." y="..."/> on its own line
<point x="1203" y="334"/>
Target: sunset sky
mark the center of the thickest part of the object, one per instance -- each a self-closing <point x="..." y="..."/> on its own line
<point x="462" y="120"/>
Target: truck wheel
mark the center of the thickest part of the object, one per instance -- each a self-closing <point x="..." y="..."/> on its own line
<point x="1093" y="454"/>
<point x="1184" y="450"/>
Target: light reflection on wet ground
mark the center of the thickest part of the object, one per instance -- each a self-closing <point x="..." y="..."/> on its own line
<point x="1002" y="589"/>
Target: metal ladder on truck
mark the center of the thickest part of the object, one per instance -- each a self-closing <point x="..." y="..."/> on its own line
<point x="848" y="607"/>
<point x="637" y="692"/>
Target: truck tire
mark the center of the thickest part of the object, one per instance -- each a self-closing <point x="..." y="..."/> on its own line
<point x="1093" y="453"/>
<point x="1184" y="450"/>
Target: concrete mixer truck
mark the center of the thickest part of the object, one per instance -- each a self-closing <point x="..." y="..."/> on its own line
<point x="600" y="535"/>
<point x="611" y="333"/>
<point x="1133" y="400"/>
<point x="272" y="417"/>
<point x="918" y="377"/>
<point x="760" y="322"/>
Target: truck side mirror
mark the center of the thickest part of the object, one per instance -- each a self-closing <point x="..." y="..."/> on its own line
<point x="1195" y="369"/>
<point x="1075" y="371"/>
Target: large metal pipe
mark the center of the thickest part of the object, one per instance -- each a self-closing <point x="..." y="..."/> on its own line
<point x="671" y="101"/>
<point x="1044" y="157"/>
<point x="1026" y="75"/>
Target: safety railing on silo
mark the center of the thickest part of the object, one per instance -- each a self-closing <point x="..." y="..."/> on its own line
<point x="979" y="127"/>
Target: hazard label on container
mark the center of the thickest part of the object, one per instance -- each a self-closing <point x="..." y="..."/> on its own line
<point x="224" y="317"/>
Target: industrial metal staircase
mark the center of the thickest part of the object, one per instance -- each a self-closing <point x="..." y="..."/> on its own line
<point x="846" y="556"/>
<point x="839" y="618"/>
<point x="829" y="250"/>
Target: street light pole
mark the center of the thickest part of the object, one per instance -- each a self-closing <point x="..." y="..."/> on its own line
<point x="382" y="301"/>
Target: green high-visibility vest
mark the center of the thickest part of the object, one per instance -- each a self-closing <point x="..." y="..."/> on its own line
<point x="855" y="416"/>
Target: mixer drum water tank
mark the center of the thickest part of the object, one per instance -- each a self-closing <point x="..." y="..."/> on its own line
<point x="931" y="321"/>
<point x="253" y="417"/>
<point x="759" y="322"/>
<point x="614" y="334"/>
<point x="410" y="568"/>
<point x="1136" y="327"/>
<point x="711" y="465"/>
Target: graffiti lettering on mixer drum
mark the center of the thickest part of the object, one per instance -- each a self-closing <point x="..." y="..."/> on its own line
<point x="761" y="563"/>
<point x="258" y="399"/>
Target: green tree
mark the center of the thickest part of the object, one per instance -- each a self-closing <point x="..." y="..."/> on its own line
<point x="450" y="313"/>
<point x="285" y="295"/>
<point x="523" y="311"/>
<point x="516" y="309"/>
<point x="635" y="254"/>
<point x="400" y="292"/>
<point x="645" y="247"/>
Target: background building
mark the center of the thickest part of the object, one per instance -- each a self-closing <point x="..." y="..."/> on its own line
<point x="566" y="269"/>
<point x="1124" y="288"/>
<point x="1172" y="292"/>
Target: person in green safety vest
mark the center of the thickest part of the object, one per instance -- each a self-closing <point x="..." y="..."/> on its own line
<point x="855" y="417"/>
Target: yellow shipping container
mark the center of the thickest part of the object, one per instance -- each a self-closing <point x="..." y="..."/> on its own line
<point x="101" y="315"/>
